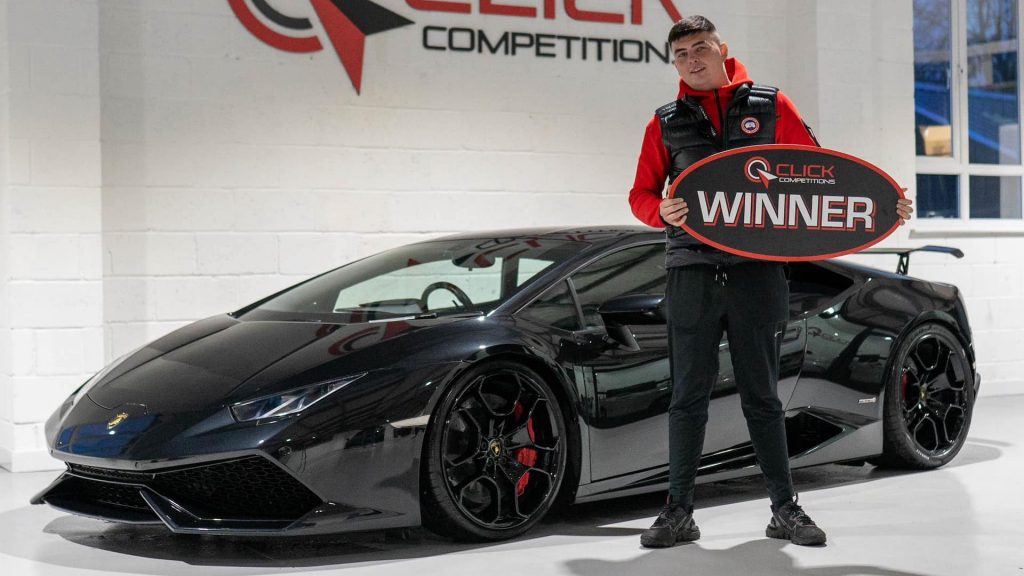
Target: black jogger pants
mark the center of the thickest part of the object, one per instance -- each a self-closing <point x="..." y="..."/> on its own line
<point x="749" y="302"/>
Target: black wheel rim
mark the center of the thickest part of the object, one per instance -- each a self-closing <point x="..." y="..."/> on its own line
<point x="501" y="450"/>
<point x="934" y="395"/>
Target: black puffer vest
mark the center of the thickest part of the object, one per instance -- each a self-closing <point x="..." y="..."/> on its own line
<point x="689" y="136"/>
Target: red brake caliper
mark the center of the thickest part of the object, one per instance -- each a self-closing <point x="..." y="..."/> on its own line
<point x="525" y="456"/>
<point x="903" y="388"/>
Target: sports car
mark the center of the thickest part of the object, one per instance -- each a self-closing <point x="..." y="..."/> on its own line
<point x="472" y="383"/>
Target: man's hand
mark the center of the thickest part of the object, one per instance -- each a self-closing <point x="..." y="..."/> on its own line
<point x="903" y="208"/>
<point x="674" y="211"/>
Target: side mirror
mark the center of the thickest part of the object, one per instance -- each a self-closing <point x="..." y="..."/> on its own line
<point x="633" y="309"/>
<point x="621" y="311"/>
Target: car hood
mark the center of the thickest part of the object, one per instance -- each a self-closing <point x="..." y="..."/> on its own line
<point x="223" y="360"/>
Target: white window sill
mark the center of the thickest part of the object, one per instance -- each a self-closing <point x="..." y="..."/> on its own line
<point x="933" y="227"/>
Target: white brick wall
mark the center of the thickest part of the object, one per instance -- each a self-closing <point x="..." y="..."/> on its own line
<point x="50" y="237"/>
<point x="160" y="164"/>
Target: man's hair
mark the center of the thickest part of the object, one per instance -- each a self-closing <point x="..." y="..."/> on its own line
<point x="692" y="25"/>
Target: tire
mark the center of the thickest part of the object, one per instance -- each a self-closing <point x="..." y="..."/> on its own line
<point x="928" y="400"/>
<point x="495" y="454"/>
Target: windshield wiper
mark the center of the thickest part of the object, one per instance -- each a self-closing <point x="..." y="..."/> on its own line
<point x="431" y="315"/>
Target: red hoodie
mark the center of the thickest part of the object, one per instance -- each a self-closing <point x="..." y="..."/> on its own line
<point x="654" y="165"/>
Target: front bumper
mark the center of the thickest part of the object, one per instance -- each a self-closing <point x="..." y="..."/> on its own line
<point x="244" y="495"/>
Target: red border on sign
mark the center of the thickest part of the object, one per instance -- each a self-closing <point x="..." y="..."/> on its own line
<point x="800" y="147"/>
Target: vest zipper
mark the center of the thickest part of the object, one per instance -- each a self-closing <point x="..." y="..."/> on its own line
<point x="721" y="118"/>
<point x="707" y="119"/>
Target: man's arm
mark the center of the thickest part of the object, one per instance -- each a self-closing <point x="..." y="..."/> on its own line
<point x="651" y="170"/>
<point x="791" y="129"/>
<point x="789" y="126"/>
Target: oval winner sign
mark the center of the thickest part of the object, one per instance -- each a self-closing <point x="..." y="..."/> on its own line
<point x="788" y="202"/>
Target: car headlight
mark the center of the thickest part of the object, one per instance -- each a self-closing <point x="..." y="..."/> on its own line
<point x="290" y="401"/>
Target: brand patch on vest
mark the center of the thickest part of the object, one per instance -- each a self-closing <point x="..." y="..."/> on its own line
<point x="750" y="125"/>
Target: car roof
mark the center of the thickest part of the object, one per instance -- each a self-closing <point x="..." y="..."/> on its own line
<point x="597" y="235"/>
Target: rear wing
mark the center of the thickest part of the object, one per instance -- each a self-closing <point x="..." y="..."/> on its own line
<point x="904" y="263"/>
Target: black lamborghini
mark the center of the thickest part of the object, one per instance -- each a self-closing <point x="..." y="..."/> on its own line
<point x="472" y="382"/>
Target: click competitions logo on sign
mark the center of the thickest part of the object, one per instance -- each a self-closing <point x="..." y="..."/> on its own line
<point x="347" y="23"/>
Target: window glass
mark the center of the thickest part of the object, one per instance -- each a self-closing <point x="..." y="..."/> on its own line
<point x="553" y="308"/>
<point x="402" y="288"/>
<point x="938" y="196"/>
<point x="638" y="270"/>
<point x="992" y="95"/>
<point x="932" y="86"/>
<point x="995" y="197"/>
<point x="457" y="276"/>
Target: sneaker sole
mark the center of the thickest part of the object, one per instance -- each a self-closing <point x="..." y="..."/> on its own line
<point x="783" y="534"/>
<point x="683" y="536"/>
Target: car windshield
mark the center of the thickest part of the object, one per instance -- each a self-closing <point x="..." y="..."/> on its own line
<point x="440" y="278"/>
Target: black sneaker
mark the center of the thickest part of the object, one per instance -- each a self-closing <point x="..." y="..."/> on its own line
<point x="789" y="522"/>
<point x="674" y="524"/>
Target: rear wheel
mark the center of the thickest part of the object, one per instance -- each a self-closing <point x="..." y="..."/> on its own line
<point x="928" y="403"/>
<point x="495" y="454"/>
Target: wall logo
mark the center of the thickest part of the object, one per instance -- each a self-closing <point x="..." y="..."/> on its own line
<point x="347" y="23"/>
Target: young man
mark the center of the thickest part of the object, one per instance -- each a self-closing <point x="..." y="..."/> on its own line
<point x="709" y="291"/>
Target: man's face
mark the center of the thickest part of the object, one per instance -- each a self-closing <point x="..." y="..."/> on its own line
<point x="700" y="61"/>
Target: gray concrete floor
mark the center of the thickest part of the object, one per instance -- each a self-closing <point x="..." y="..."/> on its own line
<point x="964" y="519"/>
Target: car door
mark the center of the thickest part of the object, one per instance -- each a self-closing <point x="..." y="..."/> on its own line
<point x="631" y="384"/>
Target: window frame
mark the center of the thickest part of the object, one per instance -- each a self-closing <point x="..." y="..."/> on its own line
<point x="959" y="164"/>
<point x="567" y="278"/>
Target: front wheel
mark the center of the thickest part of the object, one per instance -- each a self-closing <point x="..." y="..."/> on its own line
<point x="929" y="400"/>
<point x="495" y="454"/>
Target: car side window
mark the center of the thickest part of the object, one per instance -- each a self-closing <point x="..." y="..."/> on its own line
<point x="636" y="270"/>
<point x="554" y="308"/>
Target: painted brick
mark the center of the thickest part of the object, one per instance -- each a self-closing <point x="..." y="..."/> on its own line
<point x="154" y="254"/>
<point x="308" y="254"/>
<point x="56" y="210"/>
<point x="54" y="22"/>
<point x="6" y="403"/>
<point x="166" y="209"/>
<point x="66" y="163"/>
<point x="188" y="299"/>
<point x="1000" y="372"/>
<point x="22" y="351"/>
<point x="55" y="257"/>
<point x="7" y="345"/>
<point x="219" y="254"/>
<point x="20" y="169"/>
<point x="252" y="288"/>
<point x="56" y="304"/>
<point x="63" y="352"/>
<point x="367" y="245"/>
<point x="152" y="76"/>
<point x="996" y="346"/>
<point x="154" y="120"/>
<point x="128" y="299"/>
<point x="275" y="210"/>
<point x="997" y="280"/>
<point x="56" y="117"/>
<point x="60" y="70"/>
<point x="36" y="398"/>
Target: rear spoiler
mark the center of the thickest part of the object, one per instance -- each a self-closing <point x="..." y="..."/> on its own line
<point x="904" y="263"/>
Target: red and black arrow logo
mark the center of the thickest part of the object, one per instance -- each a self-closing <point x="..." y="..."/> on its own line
<point x="346" y="22"/>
